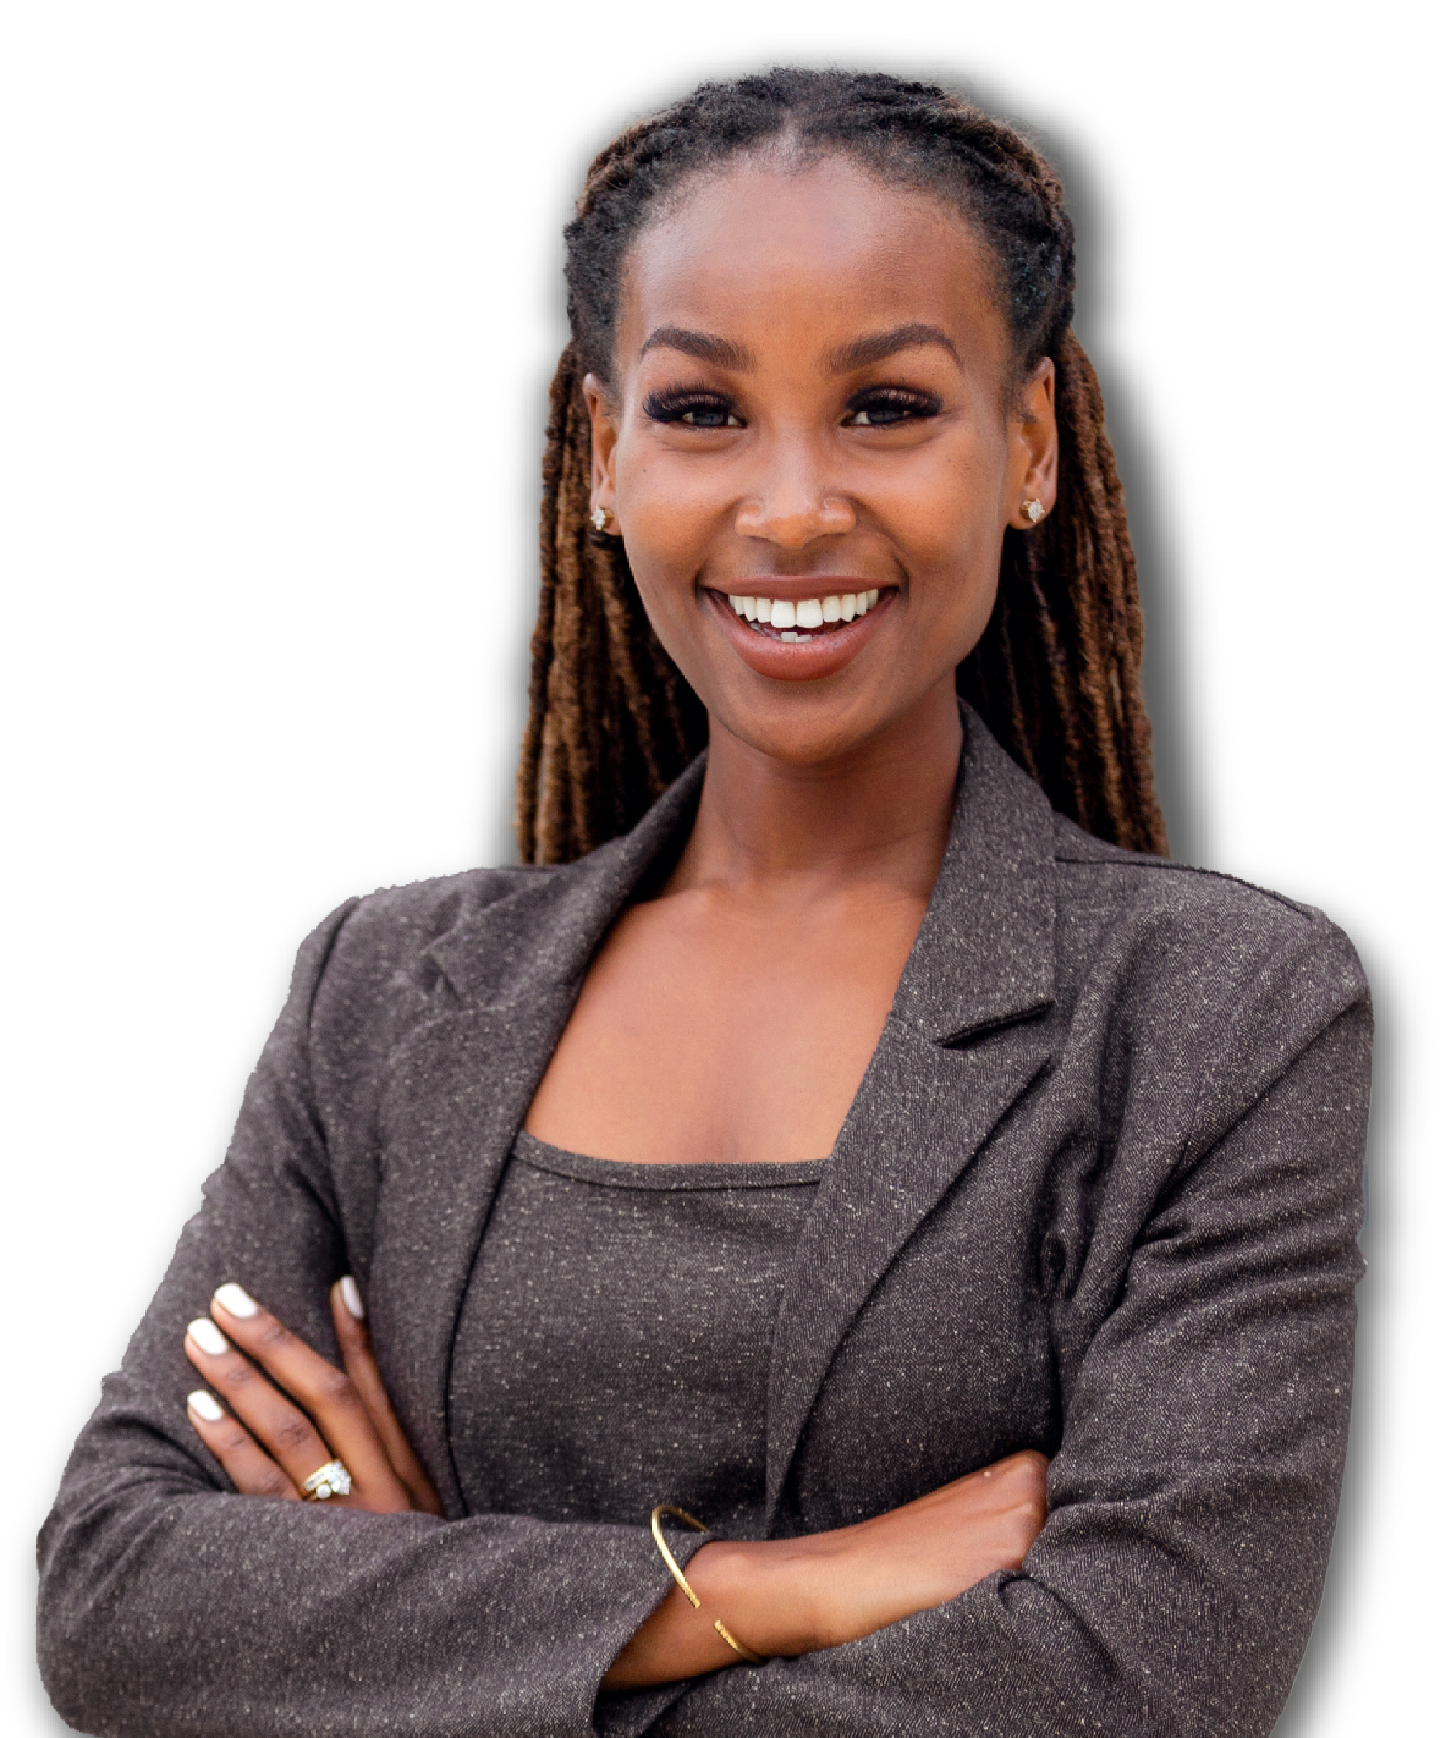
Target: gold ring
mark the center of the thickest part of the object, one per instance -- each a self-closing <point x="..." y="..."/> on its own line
<point x="331" y="1480"/>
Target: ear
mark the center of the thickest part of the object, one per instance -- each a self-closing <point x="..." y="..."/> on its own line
<point x="1031" y="467"/>
<point x="603" y="443"/>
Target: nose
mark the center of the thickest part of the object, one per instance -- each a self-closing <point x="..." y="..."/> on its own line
<point x="795" y="501"/>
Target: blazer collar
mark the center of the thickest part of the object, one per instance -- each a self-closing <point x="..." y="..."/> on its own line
<point x="938" y="1084"/>
<point x="545" y="932"/>
<point x="461" y="1083"/>
<point x="983" y="955"/>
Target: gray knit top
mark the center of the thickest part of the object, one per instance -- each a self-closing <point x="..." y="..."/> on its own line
<point x="614" y="1340"/>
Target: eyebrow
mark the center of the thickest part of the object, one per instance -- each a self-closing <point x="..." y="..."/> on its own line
<point x="880" y="346"/>
<point x="859" y="353"/>
<point x="702" y="345"/>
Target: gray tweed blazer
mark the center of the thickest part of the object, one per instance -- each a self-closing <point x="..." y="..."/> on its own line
<point x="1098" y="1194"/>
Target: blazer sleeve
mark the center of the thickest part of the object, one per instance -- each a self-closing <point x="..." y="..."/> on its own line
<point x="170" y="1604"/>
<point x="1193" y="1495"/>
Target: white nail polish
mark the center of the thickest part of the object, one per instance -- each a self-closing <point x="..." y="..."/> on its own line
<point x="208" y="1336"/>
<point x="353" y="1303"/>
<point x="205" y="1406"/>
<point x="235" y="1301"/>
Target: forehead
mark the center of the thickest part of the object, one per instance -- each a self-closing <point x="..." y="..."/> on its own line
<point x="749" y="243"/>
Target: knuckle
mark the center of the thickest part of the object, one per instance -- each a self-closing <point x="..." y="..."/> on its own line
<point x="293" y="1431"/>
<point x="274" y="1482"/>
<point x="335" y="1389"/>
<point x="235" y="1374"/>
<point x="271" y="1335"/>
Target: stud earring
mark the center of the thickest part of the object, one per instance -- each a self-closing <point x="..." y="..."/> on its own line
<point x="600" y="518"/>
<point x="1033" y="511"/>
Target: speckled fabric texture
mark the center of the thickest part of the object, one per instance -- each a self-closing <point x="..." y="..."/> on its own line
<point x="1098" y="1194"/>
<point x="615" y="1303"/>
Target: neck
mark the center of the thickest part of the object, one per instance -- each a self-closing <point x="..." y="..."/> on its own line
<point x="879" y="812"/>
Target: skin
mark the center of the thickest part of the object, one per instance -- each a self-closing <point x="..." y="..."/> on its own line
<point x="814" y="392"/>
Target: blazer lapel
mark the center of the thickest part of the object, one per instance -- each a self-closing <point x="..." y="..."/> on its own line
<point x="459" y="1087"/>
<point x="944" y="1074"/>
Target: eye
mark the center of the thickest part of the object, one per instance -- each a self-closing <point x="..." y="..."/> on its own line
<point x="708" y="410"/>
<point x="887" y="406"/>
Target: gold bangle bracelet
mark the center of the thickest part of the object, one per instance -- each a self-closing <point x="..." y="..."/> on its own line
<point x="722" y="1629"/>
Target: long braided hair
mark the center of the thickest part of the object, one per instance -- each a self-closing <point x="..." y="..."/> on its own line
<point x="1055" y="675"/>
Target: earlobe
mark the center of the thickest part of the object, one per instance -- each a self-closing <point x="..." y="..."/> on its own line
<point x="1039" y="447"/>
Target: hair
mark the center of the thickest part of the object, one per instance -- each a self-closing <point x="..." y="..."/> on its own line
<point x="1055" y="674"/>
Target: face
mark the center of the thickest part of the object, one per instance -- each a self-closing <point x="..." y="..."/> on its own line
<point x="815" y="422"/>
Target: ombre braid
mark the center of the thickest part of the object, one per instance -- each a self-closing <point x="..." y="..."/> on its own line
<point x="1056" y="673"/>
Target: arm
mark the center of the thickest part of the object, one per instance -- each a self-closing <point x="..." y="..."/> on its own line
<point x="173" y="1600"/>
<point x="169" y="1603"/>
<point x="1193" y="1497"/>
<point x="789" y="1597"/>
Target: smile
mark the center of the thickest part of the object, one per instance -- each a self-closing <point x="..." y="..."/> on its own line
<point x="809" y="618"/>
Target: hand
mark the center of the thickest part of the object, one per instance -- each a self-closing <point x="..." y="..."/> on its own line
<point x="862" y="1578"/>
<point x="271" y="1445"/>
<point x="787" y="1597"/>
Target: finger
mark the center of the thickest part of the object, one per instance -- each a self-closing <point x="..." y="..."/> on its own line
<point x="275" y="1423"/>
<point x="330" y="1404"/>
<point x="353" y="1338"/>
<point x="250" y="1470"/>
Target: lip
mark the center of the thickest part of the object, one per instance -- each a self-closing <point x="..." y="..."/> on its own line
<point x="802" y="660"/>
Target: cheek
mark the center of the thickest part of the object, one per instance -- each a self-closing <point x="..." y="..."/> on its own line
<point x="945" y="515"/>
<point x="664" y="499"/>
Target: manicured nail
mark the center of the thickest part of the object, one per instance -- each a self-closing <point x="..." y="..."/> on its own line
<point x="235" y="1301"/>
<point x="204" y="1405"/>
<point x="208" y="1336"/>
<point x="349" y="1291"/>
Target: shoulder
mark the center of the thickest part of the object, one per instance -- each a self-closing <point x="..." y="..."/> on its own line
<point x="1193" y="986"/>
<point x="375" y="955"/>
<point x="1112" y="896"/>
<point x="401" y="923"/>
<point x="1172" y="961"/>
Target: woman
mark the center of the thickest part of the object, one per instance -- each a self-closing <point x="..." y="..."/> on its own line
<point x="874" y="1150"/>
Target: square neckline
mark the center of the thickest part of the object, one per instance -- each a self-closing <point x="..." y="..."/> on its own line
<point x="638" y="1174"/>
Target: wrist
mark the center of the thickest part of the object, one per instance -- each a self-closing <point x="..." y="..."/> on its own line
<point x="768" y="1592"/>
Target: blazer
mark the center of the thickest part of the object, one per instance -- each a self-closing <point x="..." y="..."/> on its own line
<point x="1098" y="1194"/>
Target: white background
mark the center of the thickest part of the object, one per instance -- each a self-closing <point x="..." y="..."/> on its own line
<point x="278" y="306"/>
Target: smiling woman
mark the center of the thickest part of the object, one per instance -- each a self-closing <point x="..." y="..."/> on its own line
<point x="847" y="1207"/>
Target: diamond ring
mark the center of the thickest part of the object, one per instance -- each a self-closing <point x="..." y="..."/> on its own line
<point x="329" y="1481"/>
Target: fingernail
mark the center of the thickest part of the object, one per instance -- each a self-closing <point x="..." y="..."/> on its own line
<point x="208" y="1336"/>
<point x="353" y="1303"/>
<point x="204" y="1405"/>
<point x="235" y="1301"/>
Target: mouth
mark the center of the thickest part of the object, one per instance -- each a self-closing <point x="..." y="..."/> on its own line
<point x="803" y="639"/>
<point x="792" y="621"/>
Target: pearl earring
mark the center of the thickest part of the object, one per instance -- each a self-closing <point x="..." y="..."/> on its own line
<point x="1033" y="511"/>
<point x="599" y="518"/>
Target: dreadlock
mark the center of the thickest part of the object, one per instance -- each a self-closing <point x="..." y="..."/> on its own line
<point x="1055" y="675"/>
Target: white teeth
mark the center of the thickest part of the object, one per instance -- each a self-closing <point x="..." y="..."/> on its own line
<point x="813" y="612"/>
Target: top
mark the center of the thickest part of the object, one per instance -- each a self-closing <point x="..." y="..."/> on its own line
<point x="1098" y="1194"/>
<point x="613" y="1346"/>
